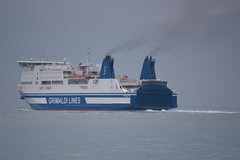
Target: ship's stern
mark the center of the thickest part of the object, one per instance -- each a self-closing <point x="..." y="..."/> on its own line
<point x="154" y="94"/>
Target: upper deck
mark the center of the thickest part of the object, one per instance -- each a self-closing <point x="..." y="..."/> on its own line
<point x="32" y="63"/>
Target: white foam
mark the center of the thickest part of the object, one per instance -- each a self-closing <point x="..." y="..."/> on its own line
<point x="205" y="111"/>
<point x="193" y="111"/>
<point x="152" y="111"/>
<point x="157" y="111"/>
<point x="24" y="109"/>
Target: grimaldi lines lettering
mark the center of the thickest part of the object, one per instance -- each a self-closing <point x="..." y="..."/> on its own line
<point x="64" y="100"/>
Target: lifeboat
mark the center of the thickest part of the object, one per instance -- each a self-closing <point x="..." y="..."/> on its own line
<point x="122" y="76"/>
<point x="76" y="76"/>
<point x="79" y="76"/>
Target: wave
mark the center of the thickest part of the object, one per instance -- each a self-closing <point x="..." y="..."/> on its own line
<point x="205" y="111"/>
<point x="160" y="111"/>
<point x="24" y="110"/>
<point x="192" y="111"/>
<point x="155" y="111"/>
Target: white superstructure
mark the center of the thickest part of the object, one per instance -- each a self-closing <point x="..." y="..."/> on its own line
<point x="58" y="77"/>
<point x="63" y="78"/>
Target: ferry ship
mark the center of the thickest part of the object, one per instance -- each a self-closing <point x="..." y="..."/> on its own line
<point x="50" y="85"/>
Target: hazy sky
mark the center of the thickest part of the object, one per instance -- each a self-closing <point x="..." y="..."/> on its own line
<point x="196" y="43"/>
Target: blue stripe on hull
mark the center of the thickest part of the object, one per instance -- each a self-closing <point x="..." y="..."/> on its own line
<point x="82" y="107"/>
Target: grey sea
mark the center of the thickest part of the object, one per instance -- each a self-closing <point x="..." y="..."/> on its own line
<point x="184" y="133"/>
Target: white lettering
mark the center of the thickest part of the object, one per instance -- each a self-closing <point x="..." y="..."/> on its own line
<point x="64" y="100"/>
<point x="74" y="100"/>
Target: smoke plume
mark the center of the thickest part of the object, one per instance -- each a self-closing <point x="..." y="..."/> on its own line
<point x="188" y="25"/>
<point x="158" y="50"/>
<point x="127" y="46"/>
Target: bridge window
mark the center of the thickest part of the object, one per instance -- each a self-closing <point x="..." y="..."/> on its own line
<point x="67" y="72"/>
<point x="77" y="81"/>
<point x="46" y="82"/>
<point x="25" y="83"/>
<point x="57" y="82"/>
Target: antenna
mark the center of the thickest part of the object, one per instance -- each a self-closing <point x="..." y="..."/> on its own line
<point x="88" y="54"/>
<point x="43" y="54"/>
<point x="65" y="60"/>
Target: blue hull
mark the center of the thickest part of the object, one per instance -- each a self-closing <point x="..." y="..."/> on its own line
<point x="81" y="102"/>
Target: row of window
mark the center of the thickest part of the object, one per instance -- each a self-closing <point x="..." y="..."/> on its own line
<point x="70" y="81"/>
<point x="77" y="81"/>
<point x="25" y="83"/>
<point x="51" y="82"/>
<point x="67" y="72"/>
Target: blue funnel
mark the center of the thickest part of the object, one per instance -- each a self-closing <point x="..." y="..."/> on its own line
<point x="107" y="70"/>
<point x="148" y="71"/>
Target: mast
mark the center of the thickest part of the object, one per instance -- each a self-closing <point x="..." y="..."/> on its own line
<point x="88" y="54"/>
<point x="43" y="54"/>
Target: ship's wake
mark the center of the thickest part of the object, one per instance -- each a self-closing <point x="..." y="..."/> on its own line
<point x="206" y="111"/>
<point x="24" y="110"/>
<point x="161" y="111"/>
<point x="193" y="111"/>
<point x="155" y="111"/>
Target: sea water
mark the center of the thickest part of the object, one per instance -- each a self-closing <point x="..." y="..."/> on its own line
<point x="191" y="133"/>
